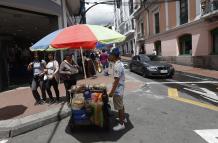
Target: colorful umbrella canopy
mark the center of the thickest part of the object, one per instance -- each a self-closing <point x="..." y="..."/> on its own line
<point x="77" y="36"/>
<point x="85" y="36"/>
<point x="45" y="42"/>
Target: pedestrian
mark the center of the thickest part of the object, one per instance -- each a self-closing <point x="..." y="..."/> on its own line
<point x="154" y="52"/>
<point x="37" y="66"/>
<point x="51" y="71"/>
<point x="117" y="91"/>
<point x="104" y="62"/>
<point x="68" y="71"/>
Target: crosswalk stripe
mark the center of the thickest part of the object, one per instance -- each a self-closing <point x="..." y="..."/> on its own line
<point x="3" y="141"/>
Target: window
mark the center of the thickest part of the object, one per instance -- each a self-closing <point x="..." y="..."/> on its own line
<point x="185" y="44"/>
<point x="183" y="11"/>
<point x="215" y="40"/>
<point x="157" y="45"/>
<point x="127" y="48"/>
<point x="133" y="26"/>
<point x="130" y="7"/>
<point x="157" y="23"/>
<point x="131" y="42"/>
<point x="142" y="28"/>
<point x="144" y="58"/>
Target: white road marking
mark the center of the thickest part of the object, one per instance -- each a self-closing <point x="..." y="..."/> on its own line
<point x="148" y="91"/>
<point x="195" y="77"/>
<point x="209" y="135"/>
<point x="3" y="141"/>
<point x="181" y="82"/>
<point x="206" y="94"/>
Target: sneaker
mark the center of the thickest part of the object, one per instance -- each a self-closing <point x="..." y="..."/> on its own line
<point x="41" y="102"/>
<point x="119" y="127"/>
<point x="51" y="101"/>
<point x="125" y="120"/>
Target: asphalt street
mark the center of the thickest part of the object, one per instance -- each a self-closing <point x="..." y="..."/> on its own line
<point x="161" y="111"/>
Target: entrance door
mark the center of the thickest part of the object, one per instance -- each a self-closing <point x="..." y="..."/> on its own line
<point x="158" y="47"/>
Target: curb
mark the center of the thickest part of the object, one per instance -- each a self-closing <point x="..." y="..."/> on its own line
<point x="14" y="127"/>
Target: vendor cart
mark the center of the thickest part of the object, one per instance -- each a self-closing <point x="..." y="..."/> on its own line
<point x="89" y="106"/>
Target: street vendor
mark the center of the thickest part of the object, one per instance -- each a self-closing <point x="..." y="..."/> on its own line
<point x="117" y="90"/>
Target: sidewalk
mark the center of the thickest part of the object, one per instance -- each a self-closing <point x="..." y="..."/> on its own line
<point x="18" y="114"/>
<point x="191" y="70"/>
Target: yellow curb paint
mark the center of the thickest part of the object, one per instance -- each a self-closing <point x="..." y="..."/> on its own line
<point x="173" y="94"/>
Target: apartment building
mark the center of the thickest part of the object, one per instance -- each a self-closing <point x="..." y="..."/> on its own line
<point x="182" y="31"/>
<point x="125" y="24"/>
<point x="24" y="22"/>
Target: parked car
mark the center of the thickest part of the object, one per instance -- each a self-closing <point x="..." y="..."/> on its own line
<point x="143" y="65"/>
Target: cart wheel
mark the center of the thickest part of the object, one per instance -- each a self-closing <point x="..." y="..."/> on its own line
<point x="71" y="125"/>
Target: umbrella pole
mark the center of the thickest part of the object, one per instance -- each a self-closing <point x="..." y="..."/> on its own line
<point x="84" y="69"/>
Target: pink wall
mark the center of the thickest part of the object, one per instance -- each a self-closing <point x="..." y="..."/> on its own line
<point x="169" y="47"/>
<point x="201" y="40"/>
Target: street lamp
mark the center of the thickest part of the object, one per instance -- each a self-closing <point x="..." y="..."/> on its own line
<point x="83" y="13"/>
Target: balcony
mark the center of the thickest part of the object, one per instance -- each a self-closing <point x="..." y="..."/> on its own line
<point x="140" y="37"/>
<point x="209" y="9"/>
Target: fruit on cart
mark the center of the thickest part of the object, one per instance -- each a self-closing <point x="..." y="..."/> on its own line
<point x="78" y="101"/>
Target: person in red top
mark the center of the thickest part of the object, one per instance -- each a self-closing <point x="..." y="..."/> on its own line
<point x="104" y="62"/>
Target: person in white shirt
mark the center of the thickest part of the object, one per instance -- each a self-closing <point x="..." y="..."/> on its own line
<point x="117" y="90"/>
<point x="52" y="77"/>
<point x="37" y="66"/>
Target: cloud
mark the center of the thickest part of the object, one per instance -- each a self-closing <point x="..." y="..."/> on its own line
<point x="100" y="14"/>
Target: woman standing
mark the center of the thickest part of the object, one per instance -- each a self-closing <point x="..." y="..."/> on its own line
<point x="68" y="71"/>
<point x="37" y="66"/>
<point x="52" y="77"/>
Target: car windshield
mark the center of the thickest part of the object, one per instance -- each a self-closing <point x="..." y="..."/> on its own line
<point x="144" y="58"/>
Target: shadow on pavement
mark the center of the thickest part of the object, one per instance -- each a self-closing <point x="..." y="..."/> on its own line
<point x="12" y="111"/>
<point x="90" y="134"/>
<point x="57" y="123"/>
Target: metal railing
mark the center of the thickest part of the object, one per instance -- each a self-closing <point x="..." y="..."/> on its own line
<point x="140" y="36"/>
<point x="209" y="6"/>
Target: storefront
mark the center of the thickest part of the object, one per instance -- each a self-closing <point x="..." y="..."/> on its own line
<point x="19" y="29"/>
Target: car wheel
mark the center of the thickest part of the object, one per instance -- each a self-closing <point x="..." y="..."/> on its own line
<point x="130" y="69"/>
<point x="170" y="76"/>
<point x="145" y="74"/>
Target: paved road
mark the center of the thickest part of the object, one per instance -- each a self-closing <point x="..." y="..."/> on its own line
<point x="157" y="113"/>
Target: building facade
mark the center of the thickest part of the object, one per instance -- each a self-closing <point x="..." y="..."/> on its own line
<point x="183" y="31"/>
<point x="24" y="22"/>
<point x="125" y="24"/>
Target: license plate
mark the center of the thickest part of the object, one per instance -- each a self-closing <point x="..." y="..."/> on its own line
<point x="163" y="71"/>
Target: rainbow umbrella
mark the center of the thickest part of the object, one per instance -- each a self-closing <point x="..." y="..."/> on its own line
<point x="85" y="36"/>
<point x="81" y="36"/>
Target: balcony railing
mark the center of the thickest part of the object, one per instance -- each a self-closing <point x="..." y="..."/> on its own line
<point x="209" y="6"/>
<point x="140" y="36"/>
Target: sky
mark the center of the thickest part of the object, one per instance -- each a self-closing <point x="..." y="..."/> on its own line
<point x="100" y="14"/>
